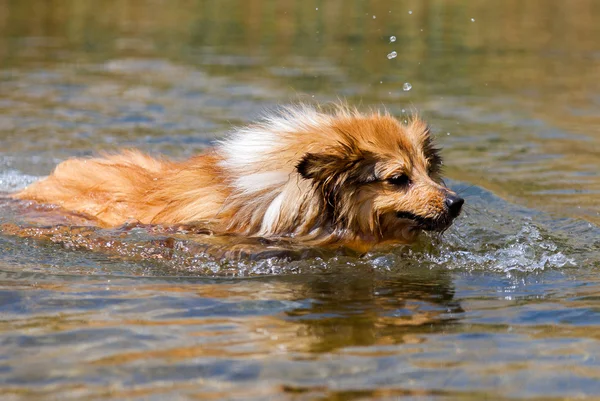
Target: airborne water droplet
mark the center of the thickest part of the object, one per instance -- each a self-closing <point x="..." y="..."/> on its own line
<point x="410" y="11"/>
<point x="472" y="19"/>
<point x="392" y="39"/>
<point x="392" y="55"/>
<point x="407" y="86"/>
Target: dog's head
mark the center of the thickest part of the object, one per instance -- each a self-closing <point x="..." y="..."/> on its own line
<point x="380" y="178"/>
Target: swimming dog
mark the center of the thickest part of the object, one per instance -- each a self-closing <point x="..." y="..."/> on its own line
<point x="341" y="177"/>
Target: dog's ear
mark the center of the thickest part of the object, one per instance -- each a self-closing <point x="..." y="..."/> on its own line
<point x="329" y="167"/>
<point x="431" y="152"/>
<point x="319" y="166"/>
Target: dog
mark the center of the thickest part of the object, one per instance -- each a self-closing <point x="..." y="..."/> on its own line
<point x="315" y="177"/>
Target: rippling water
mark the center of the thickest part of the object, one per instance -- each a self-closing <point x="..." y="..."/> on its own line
<point x="505" y="305"/>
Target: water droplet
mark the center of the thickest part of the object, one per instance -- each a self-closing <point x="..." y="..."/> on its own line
<point x="317" y="8"/>
<point x="380" y="82"/>
<point x="374" y="17"/>
<point x="406" y="87"/>
<point x="472" y="19"/>
<point x="392" y="55"/>
<point x="447" y="133"/>
<point x="403" y="111"/>
<point x="392" y="39"/>
<point x="410" y="11"/>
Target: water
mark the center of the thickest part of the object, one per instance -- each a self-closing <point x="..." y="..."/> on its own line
<point x="505" y="305"/>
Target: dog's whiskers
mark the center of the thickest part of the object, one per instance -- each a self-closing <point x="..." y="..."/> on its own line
<point x="463" y="190"/>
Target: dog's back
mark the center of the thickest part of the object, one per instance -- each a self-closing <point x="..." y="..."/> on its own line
<point x="114" y="189"/>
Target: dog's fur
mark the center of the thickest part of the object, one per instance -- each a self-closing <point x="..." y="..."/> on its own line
<point x="343" y="178"/>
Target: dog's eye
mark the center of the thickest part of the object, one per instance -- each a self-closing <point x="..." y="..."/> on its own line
<point x="399" y="180"/>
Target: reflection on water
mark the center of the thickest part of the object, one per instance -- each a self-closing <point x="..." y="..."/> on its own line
<point x="365" y="310"/>
<point x="413" y="332"/>
<point x="505" y="304"/>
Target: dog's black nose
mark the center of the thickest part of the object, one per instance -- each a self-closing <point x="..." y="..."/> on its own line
<point x="454" y="203"/>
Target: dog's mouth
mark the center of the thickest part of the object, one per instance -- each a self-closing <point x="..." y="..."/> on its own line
<point x="426" y="223"/>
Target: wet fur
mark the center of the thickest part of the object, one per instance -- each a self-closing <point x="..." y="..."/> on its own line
<point x="305" y="174"/>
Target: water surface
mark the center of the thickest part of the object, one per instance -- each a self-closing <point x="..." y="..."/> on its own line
<point x="504" y="305"/>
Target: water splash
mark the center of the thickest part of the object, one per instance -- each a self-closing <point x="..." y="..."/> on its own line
<point x="526" y="251"/>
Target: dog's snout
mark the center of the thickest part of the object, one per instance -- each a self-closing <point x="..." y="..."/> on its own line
<point x="454" y="203"/>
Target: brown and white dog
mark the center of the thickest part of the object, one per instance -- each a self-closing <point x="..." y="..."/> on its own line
<point x="339" y="178"/>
